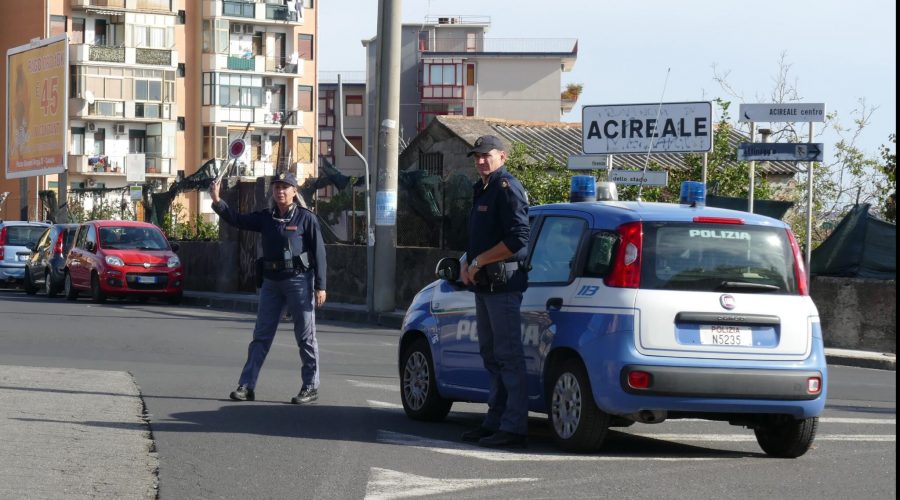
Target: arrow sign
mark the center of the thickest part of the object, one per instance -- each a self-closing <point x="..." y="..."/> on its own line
<point x="782" y="112"/>
<point x="779" y="151"/>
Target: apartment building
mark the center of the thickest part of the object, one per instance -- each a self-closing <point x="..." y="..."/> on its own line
<point x="450" y="67"/>
<point x="161" y="86"/>
<point x="332" y="148"/>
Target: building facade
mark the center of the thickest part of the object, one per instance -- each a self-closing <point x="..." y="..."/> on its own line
<point x="450" y="67"/>
<point x="158" y="87"/>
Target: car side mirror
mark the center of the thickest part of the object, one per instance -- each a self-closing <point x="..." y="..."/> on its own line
<point x="175" y="246"/>
<point x="90" y="246"/>
<point x="448" y="269"/>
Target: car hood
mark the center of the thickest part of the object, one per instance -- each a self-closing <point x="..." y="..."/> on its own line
<point x="139" y="257"/>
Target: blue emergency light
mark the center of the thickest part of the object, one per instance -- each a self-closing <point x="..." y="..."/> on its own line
<point x="584" y="188"/>
<point x="693" y="193"/>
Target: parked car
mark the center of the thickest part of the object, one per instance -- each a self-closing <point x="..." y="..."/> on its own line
<point x="17" y="239"/>
<point x="639" y="312"/>
<point x="44" y="270"/>
<point x="123" y="258"/>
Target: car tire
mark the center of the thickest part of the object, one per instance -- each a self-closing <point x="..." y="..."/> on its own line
<point x="175" y="299"/>
<point x="49" y="289"/>
<point x="28" y="283"/>
<point x="70" y="291"/>
<point x="418" y="385"/>
<point x="97" y="294"/>
<point x="576" y="422"/>
<point x="783" y="436"/>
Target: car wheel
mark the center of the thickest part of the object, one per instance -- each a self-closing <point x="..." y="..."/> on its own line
<point x="175" y="299"/>
<point x="97" y="294"/>
<point x="786" y="437"/>
<point x="49" y="289"/>
<point x="421" y="400"/>
<point x="28" y="283"/>
<point x="577" y="424"/>
<point x="70" y="291"/>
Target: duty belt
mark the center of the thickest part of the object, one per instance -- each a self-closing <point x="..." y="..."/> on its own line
<point x="277" y="265"/>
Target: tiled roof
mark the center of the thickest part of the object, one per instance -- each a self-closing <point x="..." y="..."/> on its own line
<point x="560" y="140"/>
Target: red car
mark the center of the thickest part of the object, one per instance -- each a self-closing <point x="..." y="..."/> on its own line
<point x="123" y="258"/>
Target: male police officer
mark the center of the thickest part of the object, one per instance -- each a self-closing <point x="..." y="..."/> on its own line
<point x="293" y="265"/>
<point x="498" y="240"/>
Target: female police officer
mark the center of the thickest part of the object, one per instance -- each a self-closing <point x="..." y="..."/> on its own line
<point x="293" y="274"/>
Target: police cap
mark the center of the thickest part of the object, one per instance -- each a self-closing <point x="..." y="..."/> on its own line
<point x="486" y="143"/>
<point x="285" y="178"/>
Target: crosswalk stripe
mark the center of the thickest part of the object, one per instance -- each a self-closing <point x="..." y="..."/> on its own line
<point x="470" y="451"/>
<point x="867" y="421"/>
<point x="384" y="405"/>
<point x="374" y="385"/>
<point x="737" y="438"/>
<point x="386" y="484"/>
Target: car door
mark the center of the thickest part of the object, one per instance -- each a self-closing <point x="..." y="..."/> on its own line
<point x="552" y="283"/>
<point x="37" y="262"/>
<point x="79" y="260"/>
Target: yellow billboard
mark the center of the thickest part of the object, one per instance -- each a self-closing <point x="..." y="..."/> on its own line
<point x="36" y="107"/>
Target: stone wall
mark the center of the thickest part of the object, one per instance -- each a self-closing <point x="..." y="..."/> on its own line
<point x="857" y="313"/>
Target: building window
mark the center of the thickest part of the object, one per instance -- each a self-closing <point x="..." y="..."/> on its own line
<point x="57" y="25"/>
<point x="215" y="142"/>
<point x="304" y="149"/>
<point x="432" y="163"/>
<point x="99" y="142"/>
<point x="235" y="91"/>
<point x="137" y="141"/>
<point x="305" y="47"/>
<point x="326" y="108"/>
<point x="443" y="74"/>
<point x="357" y="143"/>
<point x="77" y="30"/>
<point x="77" y="147"/>
<point x="181" y="71"/>
<point x="146" y="110"/>
<point x="147" y="90"/>
<point x="326" y="143"/>
<point x="354" y="105"/>
<point x="215" y="36"/>
<point x="304" y="98"/>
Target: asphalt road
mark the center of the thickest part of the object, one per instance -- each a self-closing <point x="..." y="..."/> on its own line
<point x="355" y="442"/>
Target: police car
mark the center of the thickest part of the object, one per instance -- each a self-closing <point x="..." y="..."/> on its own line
<point x="639" y="312"/>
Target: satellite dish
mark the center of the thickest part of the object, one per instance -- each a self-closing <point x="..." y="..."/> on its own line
<point x="89" y="96"/>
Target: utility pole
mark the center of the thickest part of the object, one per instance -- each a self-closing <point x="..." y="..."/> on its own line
<point x="387" y="120"/>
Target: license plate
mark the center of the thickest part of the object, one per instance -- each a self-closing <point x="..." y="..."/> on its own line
<point x="726" y="335"/>
<point x="23" y="258"/>
<point x="146" y="279"/>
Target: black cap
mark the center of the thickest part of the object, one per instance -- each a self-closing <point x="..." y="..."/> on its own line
<point x="486" y="143"/>
<point x="285" y="178"/>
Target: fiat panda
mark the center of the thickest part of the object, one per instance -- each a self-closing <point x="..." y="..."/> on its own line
<point x="639" y="312"/>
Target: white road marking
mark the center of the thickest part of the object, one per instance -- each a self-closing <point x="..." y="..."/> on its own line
<point x="739" y="438"/>
<point x="868" y="421"/>
<point x="385" y="484"/>
<point x="382" y="405"/>
<point x="375" y="385"/>
<point x="470" y="451"/>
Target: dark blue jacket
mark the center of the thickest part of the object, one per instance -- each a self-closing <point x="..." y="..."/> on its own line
<point x="299" y="232"/>
<point x="500" y="213"/>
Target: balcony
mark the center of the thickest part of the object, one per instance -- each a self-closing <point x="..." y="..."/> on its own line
<point x="280" y="13"/>
<point x="257" y="116"/>
<point x="239" y="8"/>
<point x="102" y="165"/>
<point x="241" y="63"/>
<point x="258" y="10"/>
<point x="85" y="54"/>
<point x="100" y="6"/>
<point x="290" y="65"/>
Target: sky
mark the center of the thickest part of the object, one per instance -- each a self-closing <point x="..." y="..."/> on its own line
<point x="644" y="51"/>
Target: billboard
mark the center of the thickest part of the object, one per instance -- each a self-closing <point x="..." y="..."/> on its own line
<point x="671" y="127"/>
<point x="36" y="107"/>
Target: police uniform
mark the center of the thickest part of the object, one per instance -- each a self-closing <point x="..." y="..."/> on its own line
<point x="500" y="214"/>
<point x="293" y="266"/>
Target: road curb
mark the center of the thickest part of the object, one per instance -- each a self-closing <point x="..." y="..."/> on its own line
<point x="884" y="362"/>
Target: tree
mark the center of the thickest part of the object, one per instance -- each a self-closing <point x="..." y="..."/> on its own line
<point x="887" y="196"/>
<point x="840" y="182"/>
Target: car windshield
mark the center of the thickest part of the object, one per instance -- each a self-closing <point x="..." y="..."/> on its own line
<point x="723" y="257"/>
<point x="22" y="236"/>
<point x="132" y="238"/>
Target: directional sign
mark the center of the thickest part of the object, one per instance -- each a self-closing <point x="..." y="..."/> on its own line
<point x="783" y="112"/>
<point x="670" y="127"/>
<point x="587" y="162"/>
<point x="779" y="151"/>
<point x="638" y="177"/>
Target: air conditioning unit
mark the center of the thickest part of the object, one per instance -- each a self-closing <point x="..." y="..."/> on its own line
<point x="267" y="81"/>
<point x="91" y="126"/>
<point x="120" y="128"/>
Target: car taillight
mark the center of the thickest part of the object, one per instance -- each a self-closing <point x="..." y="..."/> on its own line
<point x="58" y="247"/>
<point x="799" y="267"/>
<point x="626" y="266"/>
<point x="2" y="243"/>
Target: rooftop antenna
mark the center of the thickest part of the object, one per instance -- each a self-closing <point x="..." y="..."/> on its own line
<point x="652" y="137"/>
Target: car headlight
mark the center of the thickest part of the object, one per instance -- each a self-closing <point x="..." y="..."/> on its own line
<point x="173" y="262"/>
<point x="114" y="261"/>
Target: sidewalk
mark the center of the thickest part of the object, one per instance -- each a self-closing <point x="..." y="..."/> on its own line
<point x="69" y="433"/>
<point x="246" y="302"/>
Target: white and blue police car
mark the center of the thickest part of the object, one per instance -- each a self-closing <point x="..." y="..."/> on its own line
<point x="639" y="312"/>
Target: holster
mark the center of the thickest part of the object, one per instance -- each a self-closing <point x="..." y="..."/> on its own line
<point x="496" y="274"/>
<point x="301" y="262"/>
<point x="259" y="272"/>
